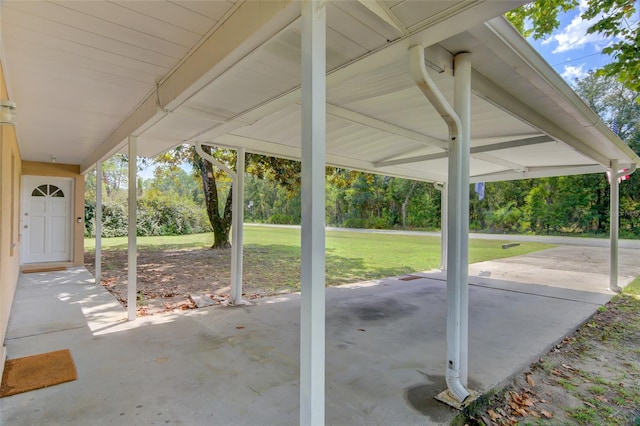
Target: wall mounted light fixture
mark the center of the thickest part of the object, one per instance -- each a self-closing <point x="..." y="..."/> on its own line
<point x="7" y="113"/>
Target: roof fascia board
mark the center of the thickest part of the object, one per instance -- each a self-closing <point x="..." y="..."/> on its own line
<point x="396" y="51"/>
<point x="251" y="24"/>
<point x="503" y="29"/>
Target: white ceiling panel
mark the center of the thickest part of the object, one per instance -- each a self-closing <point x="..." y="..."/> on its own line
<point x="89" y="24"/>
<point x="211" y="9"/>
<point x="415" y="12"/>
<point x="353" y="29"/>
<point x="171" y="13"/>
<point x="143" y="22"/>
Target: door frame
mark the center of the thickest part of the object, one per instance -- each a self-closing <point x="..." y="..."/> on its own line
<point x="29" y="182"/>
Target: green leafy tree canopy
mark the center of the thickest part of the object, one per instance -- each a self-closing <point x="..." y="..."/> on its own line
<point x="613" y="19"/>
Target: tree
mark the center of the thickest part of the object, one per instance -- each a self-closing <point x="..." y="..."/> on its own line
<point x="615" y="104"/>
<point x="610" y="18"/>
<point x="218" y="202"/>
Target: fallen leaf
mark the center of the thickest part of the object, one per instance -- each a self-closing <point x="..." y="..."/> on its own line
<point x="568" y="367"/>
<point x="530" y="381"/>
<point x="522" y="412"/>
<point x="589" y="404"/>
<point x="239" y="327"/>
<point x="535" y="414"/>
<point x="547" y="414"/>
<point x="528" y="402"/>
<point x="601" y="398"/>
<point x="494" y="415"/>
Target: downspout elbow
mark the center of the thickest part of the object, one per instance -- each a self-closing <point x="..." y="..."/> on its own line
<point x="429" y="89"/>
<point x="454" y="385"/>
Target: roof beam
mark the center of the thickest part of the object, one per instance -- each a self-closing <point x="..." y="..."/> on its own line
<point x="539" y="172"/>
<point x="382" y="11"/>
<point x="365" y="120"/>
<point x="499" y="161"/>
<point x="250" y="25"/>
<point x="474" y="150"/>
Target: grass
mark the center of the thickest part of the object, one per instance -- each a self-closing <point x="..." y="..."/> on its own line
<point x="633" y="288"/>
<point x="349" y="255"/>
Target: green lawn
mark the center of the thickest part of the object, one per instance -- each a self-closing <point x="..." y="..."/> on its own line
<point x="351" y="256"/>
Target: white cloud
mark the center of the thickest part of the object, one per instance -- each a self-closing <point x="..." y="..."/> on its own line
<point x="572" y="73"/>
<point x="574" y="35"/>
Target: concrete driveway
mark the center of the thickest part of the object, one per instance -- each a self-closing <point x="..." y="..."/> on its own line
<point x="239" y="366"/>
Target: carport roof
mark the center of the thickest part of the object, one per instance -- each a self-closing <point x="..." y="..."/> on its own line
<point x="85" y="75"/>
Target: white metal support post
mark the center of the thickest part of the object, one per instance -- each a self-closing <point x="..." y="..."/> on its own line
<point x="238" y="223"/>
<point x="312" y="310"/>
<point x="442" y="187"/>
<point x="98" y="222"/>
<point x="133" y="242"/>
<point x="614" y="207"/>
<point x="237" y="219"/>
<point x="457" y="205"/>
<point x="462" y="106"/>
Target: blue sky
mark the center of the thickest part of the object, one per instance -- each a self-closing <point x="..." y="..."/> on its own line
<point x="570" y="50"/>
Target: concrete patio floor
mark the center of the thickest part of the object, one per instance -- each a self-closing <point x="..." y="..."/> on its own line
<point x="239" y="366"/>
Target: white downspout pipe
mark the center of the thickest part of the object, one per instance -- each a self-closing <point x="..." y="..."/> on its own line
<point x="614" y="220"/>
<point x="235" y="298"/>
<point x="442" y="187"/>
<point x="133" y="242"/>
<point x="462" y="106"/>
<point x="98" y="222"/>
<point x="456" y="270"/>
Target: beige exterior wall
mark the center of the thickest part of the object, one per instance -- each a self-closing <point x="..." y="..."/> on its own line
<point x="10" y="172"/>
<point x="32" y="168"/>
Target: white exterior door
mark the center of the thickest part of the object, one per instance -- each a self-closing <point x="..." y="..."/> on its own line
<point x="46" y="219"/>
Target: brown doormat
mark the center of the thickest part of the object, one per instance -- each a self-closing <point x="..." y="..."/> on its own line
<point x="49" y="269"/>
<point x="37" y="371"/>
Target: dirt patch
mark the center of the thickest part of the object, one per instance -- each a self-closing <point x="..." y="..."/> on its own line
<point x="590" y="378"/>
<point x="167" y="279"/>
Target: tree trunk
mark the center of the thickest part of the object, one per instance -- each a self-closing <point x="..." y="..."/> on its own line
<point x="406" y="203"/>
<point x="220" y="224"/>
